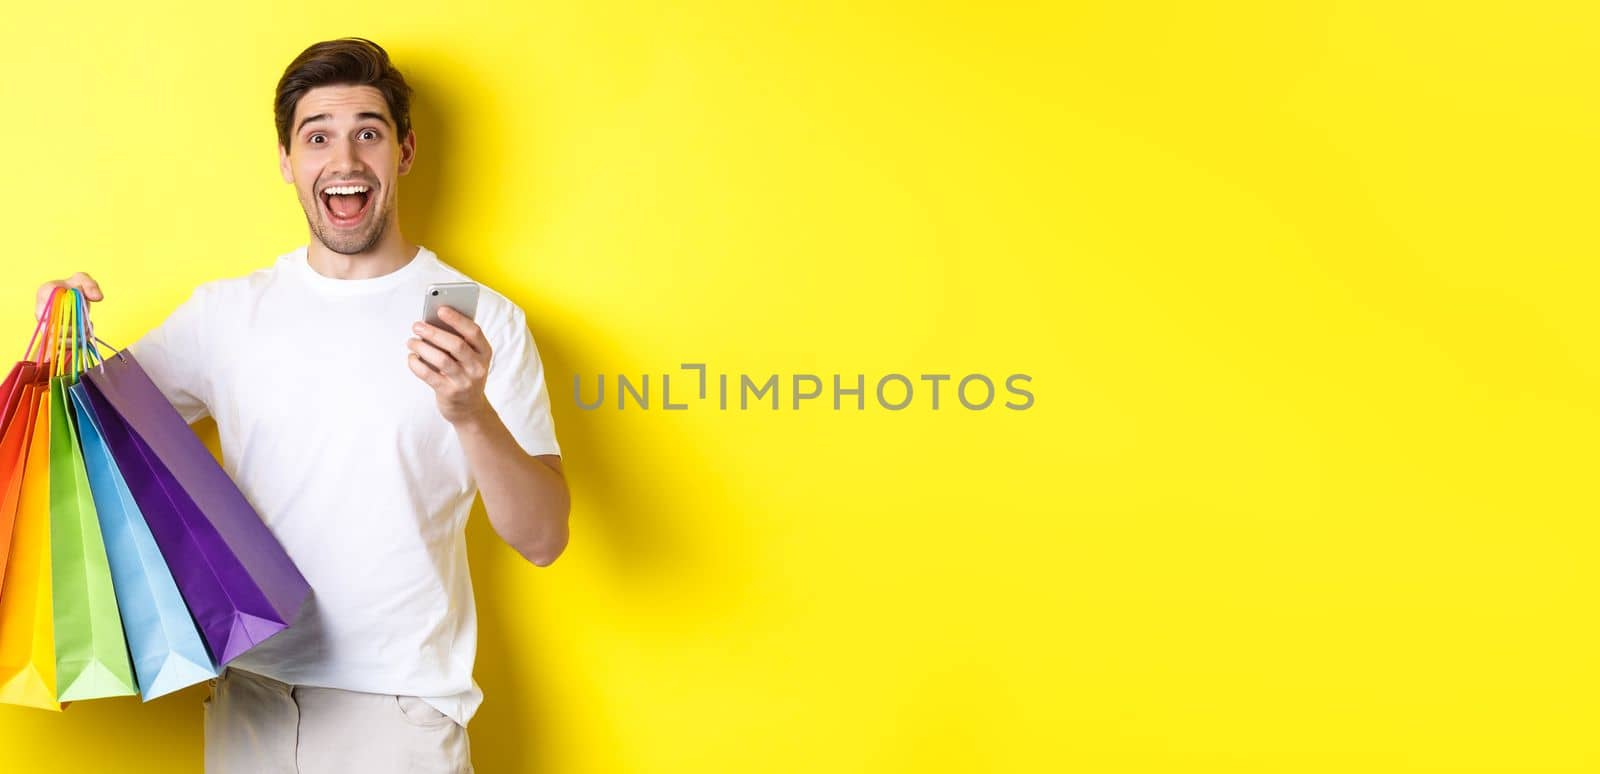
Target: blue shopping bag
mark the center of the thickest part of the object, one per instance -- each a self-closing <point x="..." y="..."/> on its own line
<point x="168" y="653"/>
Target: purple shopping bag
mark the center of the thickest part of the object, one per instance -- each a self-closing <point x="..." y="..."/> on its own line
<point x="237" y="581"/>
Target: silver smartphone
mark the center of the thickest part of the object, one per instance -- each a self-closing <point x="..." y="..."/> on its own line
<point x="460" y="296"/>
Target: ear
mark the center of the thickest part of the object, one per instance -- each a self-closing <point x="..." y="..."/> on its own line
<point x="283" y="165"/>
<point x="408" y="151"/>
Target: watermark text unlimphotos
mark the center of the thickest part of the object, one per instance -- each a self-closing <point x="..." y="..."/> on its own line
<point x="974" y="392"/>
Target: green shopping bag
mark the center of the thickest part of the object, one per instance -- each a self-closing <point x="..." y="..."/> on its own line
<point x="91" y="655"/>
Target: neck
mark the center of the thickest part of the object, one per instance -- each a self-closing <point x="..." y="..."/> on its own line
<point x="391" y="252"/>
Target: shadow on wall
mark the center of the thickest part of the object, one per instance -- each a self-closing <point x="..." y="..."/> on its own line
<point x="639" y="539"/>
<point x="120" y="734"/>
<point x="632" y="522"/>
<point x="649" y="544"/>
<point x="425" y="190"/>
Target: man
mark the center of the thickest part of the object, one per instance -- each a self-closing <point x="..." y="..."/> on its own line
<point x="361" y="455"/>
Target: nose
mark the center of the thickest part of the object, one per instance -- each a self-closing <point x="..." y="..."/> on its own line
<point x="344" y="160"/>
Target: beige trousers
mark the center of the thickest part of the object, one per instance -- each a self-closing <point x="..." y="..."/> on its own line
<point x="257" y="725"/>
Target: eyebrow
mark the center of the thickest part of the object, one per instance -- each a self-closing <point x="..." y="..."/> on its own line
<point x="326" y="116"/>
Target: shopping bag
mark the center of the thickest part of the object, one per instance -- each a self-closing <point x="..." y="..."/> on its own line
<point x="10" y="391"/>
<point x="16" y="421"/>
<point x="91" y="653"/>
<point x="16" y="426"/>
<point x="237" y="581"/>
<point x="27" y="632"/>
<point x="167" y="651"/>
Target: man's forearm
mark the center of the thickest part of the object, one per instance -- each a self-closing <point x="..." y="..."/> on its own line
<point x="526" y="499"/>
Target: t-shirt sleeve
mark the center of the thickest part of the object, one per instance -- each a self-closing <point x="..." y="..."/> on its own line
<point x="516" y="388"/>
<point x="174" y="354"/>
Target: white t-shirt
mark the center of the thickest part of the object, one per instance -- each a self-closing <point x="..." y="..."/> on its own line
<point x="343" y="452"/>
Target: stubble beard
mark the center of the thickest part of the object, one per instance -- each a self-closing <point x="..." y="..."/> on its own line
<point x="346" y="243"/>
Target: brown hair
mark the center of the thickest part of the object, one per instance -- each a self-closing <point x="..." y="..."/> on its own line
<point x="342" y="62"/>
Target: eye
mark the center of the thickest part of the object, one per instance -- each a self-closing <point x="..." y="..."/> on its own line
<point x="313" y="139"/>
<point x="365" y="132"/>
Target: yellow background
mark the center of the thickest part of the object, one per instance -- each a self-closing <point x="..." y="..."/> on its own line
<point x="1307" y="292"/>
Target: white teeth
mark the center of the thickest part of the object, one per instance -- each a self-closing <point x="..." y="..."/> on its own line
<point x="345" y="189"/>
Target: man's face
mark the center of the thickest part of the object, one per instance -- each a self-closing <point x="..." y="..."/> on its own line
<point x="343" y="138"/>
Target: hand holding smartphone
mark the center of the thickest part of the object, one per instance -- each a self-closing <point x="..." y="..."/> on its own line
<point x="457" y="374"/>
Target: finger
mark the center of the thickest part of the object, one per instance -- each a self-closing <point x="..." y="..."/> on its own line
<point x="42" y="298"/>
<point x="443" y="339"/>
<point x="86" y="283"/>
<point x="56" y="291"/>
<point x="438" y="358"/>
<point x="474" y="363"/>
<point x="465" y="326"/>
<point x="423" y="372"/>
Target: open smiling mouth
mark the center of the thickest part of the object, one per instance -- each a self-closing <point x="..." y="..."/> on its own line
<point x="346" y="205"/>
